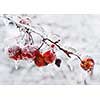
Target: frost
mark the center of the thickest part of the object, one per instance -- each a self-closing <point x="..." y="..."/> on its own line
<point x="78" y="33"/>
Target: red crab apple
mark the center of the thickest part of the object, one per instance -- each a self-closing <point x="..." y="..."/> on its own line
<point x="49" y="56"/>
<point x="29" y="52"/>
<point x="39" y="60"/>
<point x="25" y="21"/>
<point x="15" y="53"/>
<point x="87" y="64"/>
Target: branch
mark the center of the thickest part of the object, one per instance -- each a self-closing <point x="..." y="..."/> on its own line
<point x="68" y="53"/>
<point x="28" y="28"/>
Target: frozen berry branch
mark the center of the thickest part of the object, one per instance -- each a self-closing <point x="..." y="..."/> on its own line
<point x="87" y="63"/>
<point x="39" y="58"/>
<point x="65" y="51"/>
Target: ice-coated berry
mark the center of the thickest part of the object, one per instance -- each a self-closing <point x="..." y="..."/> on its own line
<point x="15" y="53"/>
<point x="49" y="56"/>
<point x="39" y="60"/>
<point x="87" y="64"/>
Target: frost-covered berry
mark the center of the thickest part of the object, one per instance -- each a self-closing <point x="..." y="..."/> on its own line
<point x="39" y="60"/>
<point x="49" y="56"/>
<point x="25" y="21"/>
<point x="15" y="53"/>
<point x="29" y="52"/>
<point x="87" y="64"/>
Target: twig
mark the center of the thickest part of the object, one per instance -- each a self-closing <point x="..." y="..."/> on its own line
<point x="68" y="53"/>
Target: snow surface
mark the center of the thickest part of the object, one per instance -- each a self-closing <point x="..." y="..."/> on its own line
<point x="79" y="33"/>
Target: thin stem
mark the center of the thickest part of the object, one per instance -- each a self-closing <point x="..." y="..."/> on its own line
<point x="41" y="45"/>
<point x="32" y="41"/>
<point x="65" y="51"/>
<point x="77" y="57"/>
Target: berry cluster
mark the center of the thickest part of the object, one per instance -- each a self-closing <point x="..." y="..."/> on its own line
<point x="29" y="52"/>
<point x="42" y="59"/>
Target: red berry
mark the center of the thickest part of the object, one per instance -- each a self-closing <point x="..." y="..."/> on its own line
<point x="39" y="60"/>
<point x="25" y="21"/>
<point x="49" y="56"/>
<point x="52" y="46"/>
<point x="15" y="53"/>
<point x="87" y="64"/>
<point x="28" y="52"/>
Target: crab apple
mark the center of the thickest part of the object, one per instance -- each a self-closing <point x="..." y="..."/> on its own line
<point x="15" y="53"/>
<point x="49" y="56"/>
<point x="25" y="21"/>
<point x="39" y="60"/>
<point x="28" y="52"/>
<point x="87" y="64"/>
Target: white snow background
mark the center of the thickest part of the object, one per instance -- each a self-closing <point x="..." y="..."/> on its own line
<point x="79" y="32"/>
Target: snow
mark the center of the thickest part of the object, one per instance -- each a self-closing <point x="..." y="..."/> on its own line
<point x="79" y="33"/>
